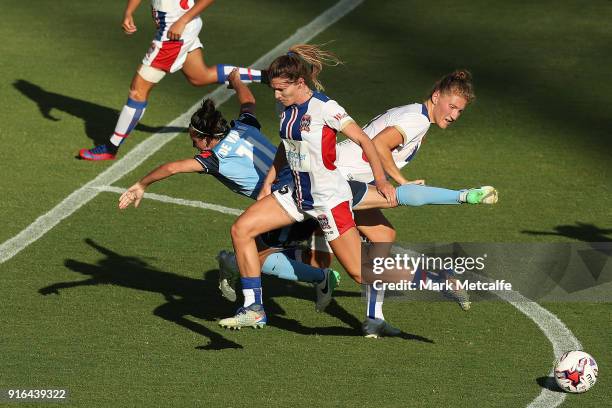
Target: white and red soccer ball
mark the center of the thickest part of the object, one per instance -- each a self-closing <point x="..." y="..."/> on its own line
<point x="576" y="371"/>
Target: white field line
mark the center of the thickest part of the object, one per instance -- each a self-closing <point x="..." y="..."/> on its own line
<point x="557" y="333"/>
<point x="144" y="150"/>
<point x="179" y="201"/>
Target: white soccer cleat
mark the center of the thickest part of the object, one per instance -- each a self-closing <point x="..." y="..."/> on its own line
<point x="325" y="289"/>
<point x="251" y="316"/>
<point x="375" y="328"/>
<point x="228" y="274"/>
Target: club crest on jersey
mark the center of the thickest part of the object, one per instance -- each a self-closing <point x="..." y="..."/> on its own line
<point x="323" y="221"/>
<point x="305" y="123"/>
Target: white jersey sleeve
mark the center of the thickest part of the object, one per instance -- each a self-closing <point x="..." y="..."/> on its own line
<point x="335" y="116"/>
<point x="411" y="127"/>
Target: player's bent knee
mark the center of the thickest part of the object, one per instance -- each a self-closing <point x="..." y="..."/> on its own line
<point x="151" y="74"/>
<point x="242" y="231"/>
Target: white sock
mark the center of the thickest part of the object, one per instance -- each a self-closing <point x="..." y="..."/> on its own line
<point x="375" y="299"/>
<point x="128" y="119"/>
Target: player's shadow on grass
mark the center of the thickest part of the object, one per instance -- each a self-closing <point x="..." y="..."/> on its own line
<point x="200" y="299"/>
<point x="549" y="383"/>
<point x="581" y="232"/>
<point x="184" y="296"/>
<point x="99" y="120"/>
<point x="279" y="288"/>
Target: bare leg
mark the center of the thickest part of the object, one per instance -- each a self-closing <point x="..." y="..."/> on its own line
<point x="373" y="199"/>
<point x="263" y="216"/>
<point x="196" y="71"/>
<point x="140" y="88"/>
<point x="347" y="248"/>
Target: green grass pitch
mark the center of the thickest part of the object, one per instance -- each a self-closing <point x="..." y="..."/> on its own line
<point x="121" y="307"/>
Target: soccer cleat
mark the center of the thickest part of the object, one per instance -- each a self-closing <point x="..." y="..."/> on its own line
<point x="228" y="274"/>
<point x="101" y="152"/>
<point x="459" y="295"/>
<point x="325" y="289"/>
<point x="251" y="316"/>
<point x="482" y="195"/>
<point x="375" y="328"/>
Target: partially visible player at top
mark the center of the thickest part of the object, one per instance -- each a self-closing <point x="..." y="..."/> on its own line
<point x="176" y="46"/>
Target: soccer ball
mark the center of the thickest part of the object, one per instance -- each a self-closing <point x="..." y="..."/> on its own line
<point x="576" y="371"/>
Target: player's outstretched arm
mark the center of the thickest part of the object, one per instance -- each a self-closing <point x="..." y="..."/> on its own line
<point x="135" y="193"/>
<point x="128" y="25"/>
<point x="280" y="161"/>
<point x="357" y="135"/>
<point x="243" y="93"/>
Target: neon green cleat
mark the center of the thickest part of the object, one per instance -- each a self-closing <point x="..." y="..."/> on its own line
<point x="482" y="195"/>
<point x="251" y="316"/>
<point x="326" y="288"/>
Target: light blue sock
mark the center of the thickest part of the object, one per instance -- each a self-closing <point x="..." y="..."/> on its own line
<point x="416" y="195"/>
<point x="278" y="264"/>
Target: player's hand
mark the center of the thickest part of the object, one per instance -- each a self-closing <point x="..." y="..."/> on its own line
<point x="128" y="25"/>
<point x="232" y="78"/>
<point x="176" y="30"/>
<point x="419" y="182"/>
<point x="133" y="195"/>
<point x="266" y="190"/>
<point x="388" y="191"/>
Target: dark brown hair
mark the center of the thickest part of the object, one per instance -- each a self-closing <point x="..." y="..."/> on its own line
<point x="208" y="121"/>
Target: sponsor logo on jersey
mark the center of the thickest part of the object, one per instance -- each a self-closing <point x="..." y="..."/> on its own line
<point x="305" y="123"/>
<point x="340" y="116"/>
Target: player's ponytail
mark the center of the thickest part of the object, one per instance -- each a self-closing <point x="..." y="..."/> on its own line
<point x="458" y="82"/>
<point x="303" y="61"/>
<point x="208" y="121"/>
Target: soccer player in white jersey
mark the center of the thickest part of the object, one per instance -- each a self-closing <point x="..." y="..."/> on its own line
<point x="176" y="46"/>
<point x="399" y="132"/>
<point x="308" y="131"/>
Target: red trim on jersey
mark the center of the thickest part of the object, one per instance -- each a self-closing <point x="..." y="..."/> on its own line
<point x="343" y="217"/>
<point x="167" y="55"/>
<point x="205" y="154"/>
<point x="120" y="135"/>
<point x="364" y="157"/>
<point x="184" y="4"/>
<point x="328" y="147"/>
<point x="249" y="74"/>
